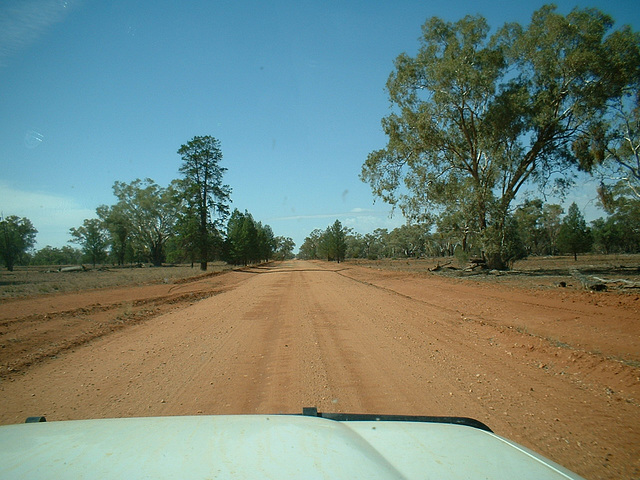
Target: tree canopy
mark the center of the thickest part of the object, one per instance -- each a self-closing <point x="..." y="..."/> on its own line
<point x="91" y="236"/>
<point x="151" y="211"/>
<point x="475" y="117"/>
<point x="119" y="228"/>
<point x="334" y="242"/>
<point x="202" y="189"/>
<point x="17" y="236"/>
<point x="574" y="237"/>
<point x="248" y="241"/>
<point x="182" y="222"/>
<point x="49" y="255"/>
<point x="284" y="248"/>
<point x="330" y="244"/>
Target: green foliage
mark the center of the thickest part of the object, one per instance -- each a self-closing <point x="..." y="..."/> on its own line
<point x="608" y="236"/>
<point x="620" y="232"/>
<point x="152" y="212"/>
<point x="476" y="117"/>
<point x="529" y="218"/>
<point x="283" y="248"/>
<point x="310" y="248"/>
<point x="551" y="223"/>
<point x="119" y="228"/>
<point x="535" y="228"/>
<point x="182" y="222"/>
<point x="574" y="235"/>
<point x="460" y="255"/>
<point x="538" y="225"/>
<point x="247" y="241"/>
<point x="610" y="146"/>
<point x="503" y="245"/>
<point x="454" y="228"/>
<point x="333" y="242"/>
<point x="57" y="256"/>
<point x="356" y="246"/>
<point x="376" y="243"/>
<point x="186" y="244"/>
<point x="17" y="237"/>
<point x="206" y="198"/>
<point x="266" y="242"/>
<point x="409" y="240"/>
<point x="92" y="237"/>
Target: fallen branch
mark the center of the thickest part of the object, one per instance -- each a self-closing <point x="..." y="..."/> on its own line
<point x="75" y="268"/>
<point x="625" y="283"/>
<point x="598" y="284"/>
<point x="438" y="267"/>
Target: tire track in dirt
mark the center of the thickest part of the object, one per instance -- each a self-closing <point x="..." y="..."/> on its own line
<point x="547" y="315"/>
<point x="23" y="343"/>
<point x="281" y="338"/>
<point x="614" y="363"/>
<point x="557" y="389"/>
<point x="34" y="330"/>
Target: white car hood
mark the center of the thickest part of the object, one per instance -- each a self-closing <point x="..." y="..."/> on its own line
<point x="264" y="447"/>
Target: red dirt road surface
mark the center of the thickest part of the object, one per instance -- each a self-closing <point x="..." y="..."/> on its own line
<point x="554" y="370"/>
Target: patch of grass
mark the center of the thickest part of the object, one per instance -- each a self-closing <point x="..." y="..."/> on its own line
<point x="29" y="281"/>
<point x="558" y="343"/>
<point x="625" y="361"/>
<point x="532" y="272"/>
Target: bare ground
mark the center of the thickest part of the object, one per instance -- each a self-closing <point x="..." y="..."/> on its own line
<point x="556" y="370"/>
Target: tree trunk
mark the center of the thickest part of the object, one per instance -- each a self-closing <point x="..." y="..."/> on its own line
<point x="157" y="254"/>
<point x="495" y="262"/>
<point x="204" y="243"/>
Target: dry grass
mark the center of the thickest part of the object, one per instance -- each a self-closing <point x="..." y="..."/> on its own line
<point x="535" y="272"/>
<point x="584" y="262"/>
<point x="532" y="272"/>
<point x="28" y="281"/>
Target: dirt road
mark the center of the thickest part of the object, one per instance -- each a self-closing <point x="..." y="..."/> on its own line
<point x="555" y="371"/>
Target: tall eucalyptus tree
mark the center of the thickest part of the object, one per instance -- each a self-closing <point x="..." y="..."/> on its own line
<point x="476" y="117"/>
<point x="203" y="188"/>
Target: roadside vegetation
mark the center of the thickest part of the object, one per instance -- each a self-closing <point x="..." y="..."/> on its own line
<point x="189" y="221"/>
<point x="479" y="123"/>
<point x="26" y="281"/>
<point x="482" y="128"/>
<point x="536" y="229"/>
<point x="478" y="120"/>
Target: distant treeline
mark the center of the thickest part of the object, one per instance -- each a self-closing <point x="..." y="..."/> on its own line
<point x="189" y="221"/>
<point x="244" y="241"/>
<point x="535" y="228"/>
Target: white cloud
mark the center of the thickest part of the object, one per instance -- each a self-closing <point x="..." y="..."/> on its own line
<point x="362" y="220"/>
<point x="51" y="215"/>
<point x="354" y="213"/>
<point x="22" y="22"/>
<point x="306" y="217"/>
<point x="368" y="223"/>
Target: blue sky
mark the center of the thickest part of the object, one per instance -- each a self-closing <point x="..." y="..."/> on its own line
<point x="92" y="92"/>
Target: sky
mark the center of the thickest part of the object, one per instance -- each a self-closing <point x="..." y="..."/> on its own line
<point x="94" y="92"/>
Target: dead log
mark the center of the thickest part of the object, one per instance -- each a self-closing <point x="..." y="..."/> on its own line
<point x="75" y="268"/>
<point x="618" y="283"/>
<point x="438" y="267"/>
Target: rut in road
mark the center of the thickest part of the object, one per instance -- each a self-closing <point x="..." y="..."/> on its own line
<point x="298" y="335"/>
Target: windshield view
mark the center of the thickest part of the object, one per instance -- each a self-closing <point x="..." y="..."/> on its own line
<point x="376" y="208"/>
